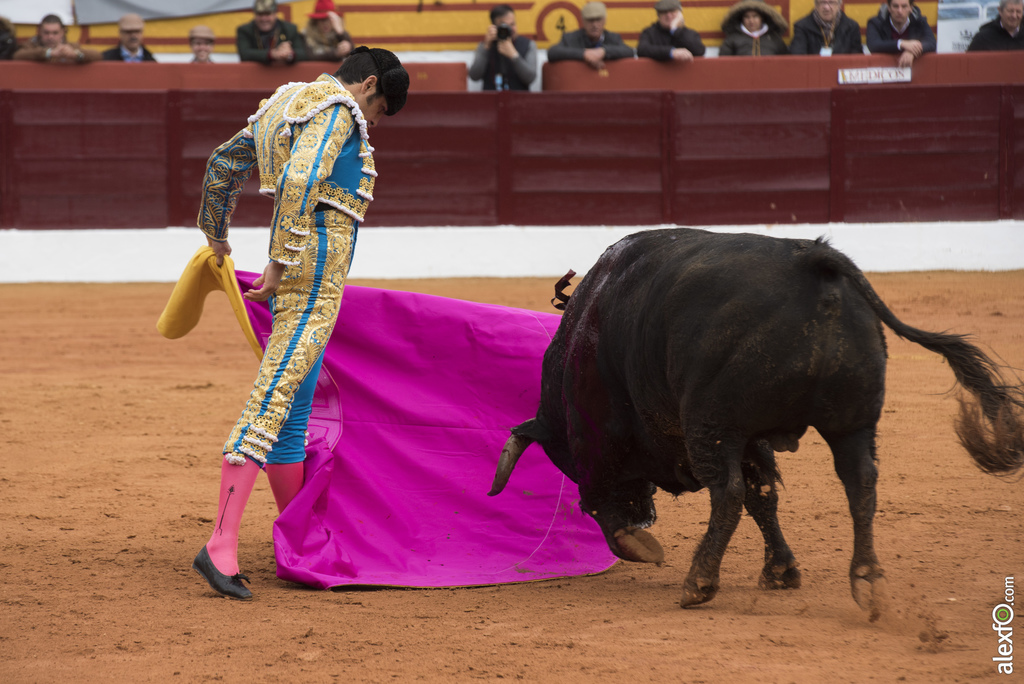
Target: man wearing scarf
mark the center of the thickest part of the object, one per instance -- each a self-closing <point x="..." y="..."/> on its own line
<point x="826" y="31"/>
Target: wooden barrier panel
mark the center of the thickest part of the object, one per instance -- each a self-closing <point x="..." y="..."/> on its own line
<point x="1011" y="163"/>
<point x="582" y="159"/>
<point x="16" y="75"/>
<point x="87" y="159"/>
<point x="751" y="157"/>
<point x="135" y="159"/>
<point x="917" y="154"/>
<point x="793" y="72"/>
<point x="437" y="162"/>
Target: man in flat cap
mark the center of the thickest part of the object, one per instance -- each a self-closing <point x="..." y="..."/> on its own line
<point x="129" y="48"/>
<point x="591" y="43"/>
<point x="268" y="39"/>
<point x="668" y="39"/>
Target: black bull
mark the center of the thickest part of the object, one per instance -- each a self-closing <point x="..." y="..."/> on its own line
<point x="685" y="359"/>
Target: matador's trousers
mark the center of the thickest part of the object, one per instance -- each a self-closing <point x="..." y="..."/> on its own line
<point x="305" y="307"/>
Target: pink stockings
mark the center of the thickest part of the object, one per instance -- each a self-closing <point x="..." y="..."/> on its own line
<point x="285" y="481"/>
<point x="236" y="483"/>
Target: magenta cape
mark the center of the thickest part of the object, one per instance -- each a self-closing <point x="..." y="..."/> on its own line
<point x="430" y="387"/>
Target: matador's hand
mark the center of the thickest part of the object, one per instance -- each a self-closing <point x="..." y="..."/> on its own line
<point x="221" y="249"/>
<point x="267" y="283"/>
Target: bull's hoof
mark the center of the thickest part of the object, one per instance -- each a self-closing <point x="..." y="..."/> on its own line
<point x="638" y="545"/>
<point x="870" y="590"/>
<point x="697" y="591"/>
<point x="780" y="576"/>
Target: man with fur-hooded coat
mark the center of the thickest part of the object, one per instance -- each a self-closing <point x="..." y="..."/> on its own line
<point x="753" y="28"/>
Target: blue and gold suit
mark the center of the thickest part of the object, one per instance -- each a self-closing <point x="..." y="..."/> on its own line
<point x="310" y="144"/>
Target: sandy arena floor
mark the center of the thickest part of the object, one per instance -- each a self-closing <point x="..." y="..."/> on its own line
<point x="111" y="459"/>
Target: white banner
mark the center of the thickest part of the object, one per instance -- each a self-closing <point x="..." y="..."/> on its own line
<point x="31" y="11"/>
<point x="108" y="11"/>
<point x="959" y="20"/>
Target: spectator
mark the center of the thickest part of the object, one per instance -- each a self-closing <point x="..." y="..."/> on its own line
<point x="753" y="28"/>
<point x="667" y="39"/>
<point x="504" y="59"/>
<point x="268" y="39"/>
<point x="201" y="40"/>
<point x="50" y="45"/>
<point x="1003" y="33"/>
<point x="8" y="42"/>
<point x="826" y="31"/>
<point x="591" y="44"/>
<point x="900" y="28"/>
<point x="325" y="34"/>
<point x="130" y="47"/>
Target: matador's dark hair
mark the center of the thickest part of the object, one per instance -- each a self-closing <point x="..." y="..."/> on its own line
<point x="392" y="78"/>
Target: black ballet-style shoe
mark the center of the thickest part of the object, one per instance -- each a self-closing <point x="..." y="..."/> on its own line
<point x="227" y="585"/>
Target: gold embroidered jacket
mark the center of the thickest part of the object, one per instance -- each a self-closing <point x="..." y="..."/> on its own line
<point x="310" y="143"/>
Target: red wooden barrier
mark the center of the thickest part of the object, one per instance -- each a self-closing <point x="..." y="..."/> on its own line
<point x="793" y="72"/>
<point x="1011" y="145"/>
<point x="737" y="156"/>
<point x="925" y="157"/>
<point x="135" y="159"/>
<point x="438" y="162"/>
<point x="583" y="159"/>
<point x="87" y="160"/>
<point x="219" y="77"/>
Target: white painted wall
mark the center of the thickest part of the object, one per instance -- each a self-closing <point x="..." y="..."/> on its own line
<point x="502" y="251"/>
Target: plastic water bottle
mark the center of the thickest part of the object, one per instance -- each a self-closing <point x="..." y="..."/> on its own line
<point x="498" y="82"/>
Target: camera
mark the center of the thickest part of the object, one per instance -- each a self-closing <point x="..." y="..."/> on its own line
<point x="504" y="31"/>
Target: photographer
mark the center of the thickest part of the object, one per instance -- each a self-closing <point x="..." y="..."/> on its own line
<point x="504" y="60"/>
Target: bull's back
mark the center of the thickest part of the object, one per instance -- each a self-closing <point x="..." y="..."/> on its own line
<point x="745" y="330"/>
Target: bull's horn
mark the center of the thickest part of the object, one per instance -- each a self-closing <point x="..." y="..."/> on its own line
<point x="510" y="454"/>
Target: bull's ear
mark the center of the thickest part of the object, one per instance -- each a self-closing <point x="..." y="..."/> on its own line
<point x="561" y="297"/>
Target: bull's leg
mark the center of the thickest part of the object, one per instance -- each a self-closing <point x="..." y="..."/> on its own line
<point x="854" y="456"/>
<point x="717" y="465"/>
<point x="762" y="502"/>
<point x="622" y="515"/>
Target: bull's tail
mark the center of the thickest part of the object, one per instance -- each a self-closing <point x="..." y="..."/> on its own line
<point x="991" y="421"/>
<point x="523" y="435"/>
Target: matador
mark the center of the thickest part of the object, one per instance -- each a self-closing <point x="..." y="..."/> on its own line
<point x="311" y="146"/>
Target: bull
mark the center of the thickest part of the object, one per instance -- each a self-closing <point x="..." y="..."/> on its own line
<point x="685" y="359"/>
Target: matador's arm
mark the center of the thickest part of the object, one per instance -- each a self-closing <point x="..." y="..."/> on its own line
<point x="226" y="172"/>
